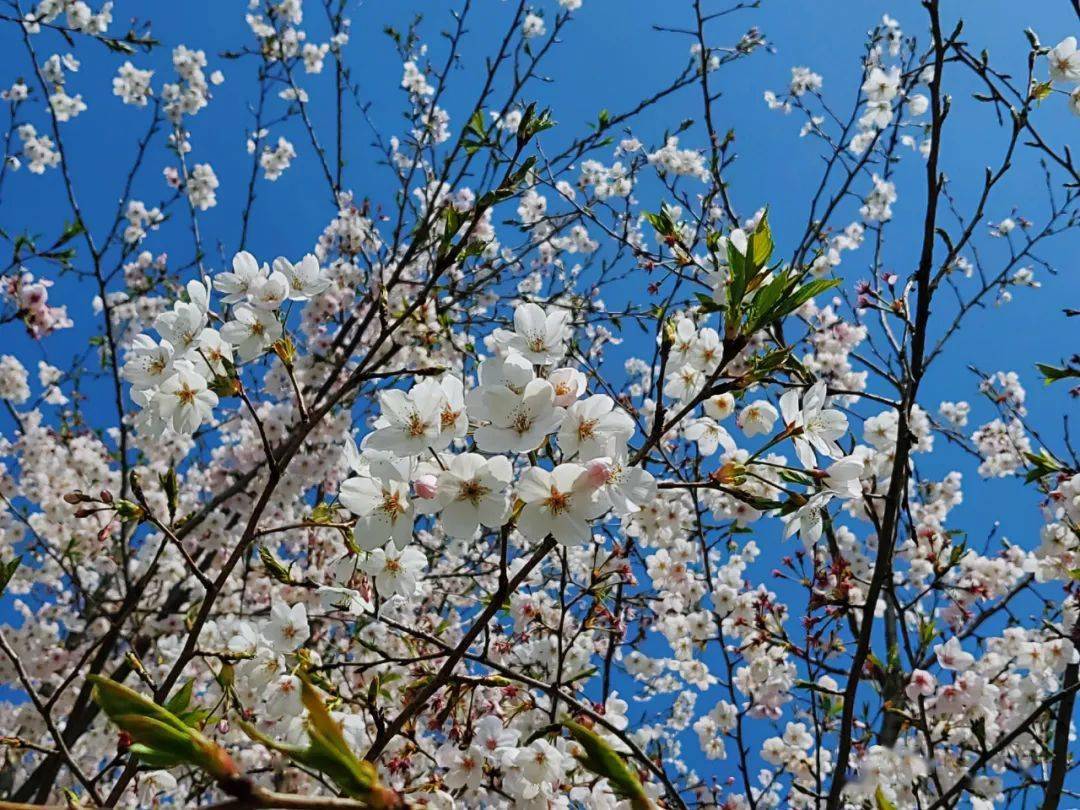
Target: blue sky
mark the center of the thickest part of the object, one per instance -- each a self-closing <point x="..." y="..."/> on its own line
<point x="610" y="58"/>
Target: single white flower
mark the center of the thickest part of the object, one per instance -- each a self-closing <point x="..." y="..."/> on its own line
<point x="593" y="427"/>
<point x="245" y="276"/>
<point x="497" y="742"/>
<point x="709" y="436"/>
<point x="539" y="762"/>
<point x="287" y="627"/>
<point x="626" y="488"/>
<point x="394" y="571"/>
<point x="951" y="655"/>
<point x="757" y="418"/>
<point x="185" y="401"/>
<point x="251" y="331"/>
<point x="569" y="384"/>
<point x="882" y="86"/>
<point x="270" y="292"/>
<point x="212" y="353"/>
<point x="684" y="383"/>
<point x="148" y="362"/>
<point x="182" y="325"/>
<point x="284" y="698"/>
<point x="379" y="497"/>
<point x="842" y="477"/>
<point x="410" y="422"/>
<point x="816" y="427"/>
<point x="513" y="372"/>
<point x="720" y="406"/>
<point x="519" y="423"/>
<point x="807" y="520"/>
<point x="538" y="336"/>
<point x="559" y="502"/>
<point x="306" y="279"/>
<point x="473" y="490"/>
<point x="1065" y="61"/>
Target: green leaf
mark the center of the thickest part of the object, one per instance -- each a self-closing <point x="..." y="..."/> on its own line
<point x="707" y="303"/>
<point x="1041" y="90"/>
<point x="274" y="569"/>
<point x="71" y="230"/>
<point x="477" y="125"/>
<point x="329" y="753"/>
<point x="601" y="759"/>
<point x="881" y="801"/>
<point x="7" y="571"/>
<point x="159" y="737"/>
<point x="1042" y="465"/>
<point x="805" y="293"/>
<point x="760" y="244"/>
<point x="739" y="276"/>
<point x="1052" y="374"/>
<point x="661" y="222"/>
<point x="178" y="703"/>
<point x="761" y="309"/>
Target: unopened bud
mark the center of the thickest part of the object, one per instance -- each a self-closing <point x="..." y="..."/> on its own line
<point x="426" y="486"/>
<point x="598" y="472"/>
<point x="286" y="351"/>
<point x="226" y="386"/>
<point x="126" y="510"/>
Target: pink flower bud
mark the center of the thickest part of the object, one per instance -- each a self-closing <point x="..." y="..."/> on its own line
<point x="426" y="486"/>
<point x="598" y="472"/>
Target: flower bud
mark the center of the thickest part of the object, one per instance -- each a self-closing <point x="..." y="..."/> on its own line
<point x="286" y="351"/>
<point x="598" y="472"/>
<point x="426" y="486"/>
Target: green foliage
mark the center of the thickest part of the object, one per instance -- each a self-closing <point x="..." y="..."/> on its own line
<point x="1042" y="465"/>
<point x="1052" y="374"/>
<point x="160" y="738"/>
<point x="7" y="571"/>
<point x="600" y="758"/>
<point x="274" y="569"/>
<point x="329" y="753"/>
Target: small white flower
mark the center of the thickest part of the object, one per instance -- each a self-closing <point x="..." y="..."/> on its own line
<point x="1065" y="61"/>
<point x="951" y="655"/>
<point x="251" y="331"/>
<point x="379" y="497"/>
<point x="287" y="627"/>
<point x="559" y="502"/>
<point x="185" y="401"/>
<point x="410" y="422"/>
<point x="593" y="427"/>
<point x="757" y="418"/>
<point x="284" y="698"/>
<point x="537" y="336"/>
<point x="519" y="423"/>
<point x="306" y="279"/>
<point x="473" y="490"/>
<point x="817" y="427"/>
<point x="395" y="572"/>
<point x="245" y="274"/>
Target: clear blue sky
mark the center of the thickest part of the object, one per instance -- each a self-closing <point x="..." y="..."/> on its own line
<point x="610" y="58"/>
